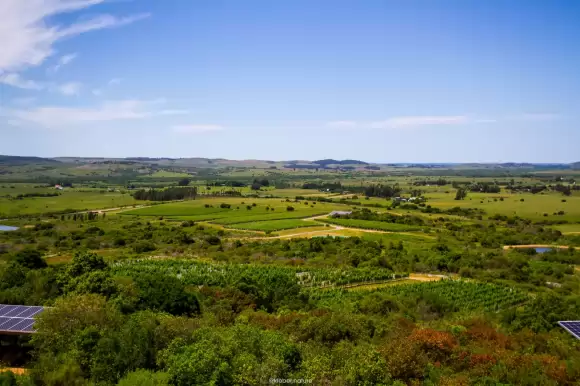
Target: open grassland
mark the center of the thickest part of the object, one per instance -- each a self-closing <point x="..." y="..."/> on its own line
<point x="274" y="225"/>
<point x="533" y="206"/>
<point x="240" y="210"/>
<point x="166" y="174"/>
<point x="377" y="225"/>
<point x="67" y="200"/>
<point x="567" y="228"/>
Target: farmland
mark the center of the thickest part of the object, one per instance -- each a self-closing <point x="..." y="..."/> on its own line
<point x="274" y="225"/>
<point x="238" y="252"/>
<point x="458" y="295"/>
<point x="378" y="225"/>
<point x="67" y="200"/>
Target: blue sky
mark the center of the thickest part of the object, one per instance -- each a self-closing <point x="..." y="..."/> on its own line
<point x="381" y="81"/>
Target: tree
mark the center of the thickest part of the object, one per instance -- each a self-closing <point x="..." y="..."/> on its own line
<point x="184" y="182"/>
<point x="461" y="194"/>
<point x="30" y="258"/>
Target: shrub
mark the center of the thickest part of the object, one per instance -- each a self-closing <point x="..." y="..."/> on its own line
<point x="225" y="206"/>
<point x="290" y="208"/>
<point x="119" y="242"/>
<point x="143" y="246"/>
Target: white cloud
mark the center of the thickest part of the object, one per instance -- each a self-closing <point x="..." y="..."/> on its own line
<point x="26" y="37"/>
<point x="341" y="124"/>
<point x="15" y="80"/>
<point x="77" y="117"/>
<point x="485" y="120"/>
<point x="193" y="129"/>
<point x="415" y="121"/>
<point x="63" y="61"/>
<point x="110" y="83"/>
<point x="71" y="88"/>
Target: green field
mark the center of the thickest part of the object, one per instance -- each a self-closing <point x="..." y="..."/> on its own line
<point x="265" y="209"/>
<point x="378" y="225"/>
<point x="68" y="200"/>
<point x="567" y="228"/>
<point x="274" y="225"/>
<point x="533" y="206"/>
<point x="166" y="174"/>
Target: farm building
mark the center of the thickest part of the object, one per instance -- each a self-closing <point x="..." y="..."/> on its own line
<point x="338" y="213"/>
<point x="58" y="187"/>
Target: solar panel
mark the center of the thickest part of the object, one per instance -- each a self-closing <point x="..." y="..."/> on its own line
<point x="18" y="319"/>
<point x="572" y="326"/>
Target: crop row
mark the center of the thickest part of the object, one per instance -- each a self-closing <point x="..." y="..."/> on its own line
<point x="274" y="225"/>
<point x="376" y="225"/>
<point x="201" y="273"/>
<point x="458" y="294"/>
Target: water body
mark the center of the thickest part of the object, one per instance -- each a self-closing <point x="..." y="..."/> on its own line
<point x="7" y="228"/>
<point x="543" y="250"/>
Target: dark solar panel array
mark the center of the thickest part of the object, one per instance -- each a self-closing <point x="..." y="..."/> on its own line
<point x="18" y="319"/>
<point x="572" y="326"/>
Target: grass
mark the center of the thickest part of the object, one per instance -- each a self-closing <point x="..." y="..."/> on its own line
<point x="265" y="209"/>
<point x="532" y="207"/>
<point x="69" y="199"/>
<point x="377" y="225"/>
<point x="310" y="229"/>
<point x="567" y="228"/>
<point x="165" y="174"/>
<point x="274" y="225"/>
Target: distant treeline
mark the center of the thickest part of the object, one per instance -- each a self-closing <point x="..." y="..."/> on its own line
<point x="383" y="191"/>
<point x="28" y="195"/>
<point x="438" y="182"/>
<point x="169" y="194"/>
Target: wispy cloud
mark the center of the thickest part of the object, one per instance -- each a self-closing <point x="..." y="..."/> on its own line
<point x="404" y="122"/>
<point x="194" y="129"/>
<point x="77" y="117"/>
<point x="110" y="83"/>
<point x="71" y="88"/>
<point x="62" y="61"/>
<point x="416" y="121"/>
<point x="15" y="80"/>
<point x="27" y="37"/>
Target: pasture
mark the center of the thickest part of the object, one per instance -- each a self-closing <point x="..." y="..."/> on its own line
<point x="535" y="207"/>
<point x="376" y="225"/>
<point x="274" y="225"/>
<point x="228" y="210"/>
<point x="67" y="200"/>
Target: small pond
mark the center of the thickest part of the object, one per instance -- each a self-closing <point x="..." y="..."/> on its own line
<point x="543" y="250"/>
<point x="7" y="228"/>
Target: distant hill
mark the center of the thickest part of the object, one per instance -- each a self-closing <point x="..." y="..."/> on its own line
<point x="16" y="160"/>
<point x="575" y="165"/>
<point x="326" y="162"/>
